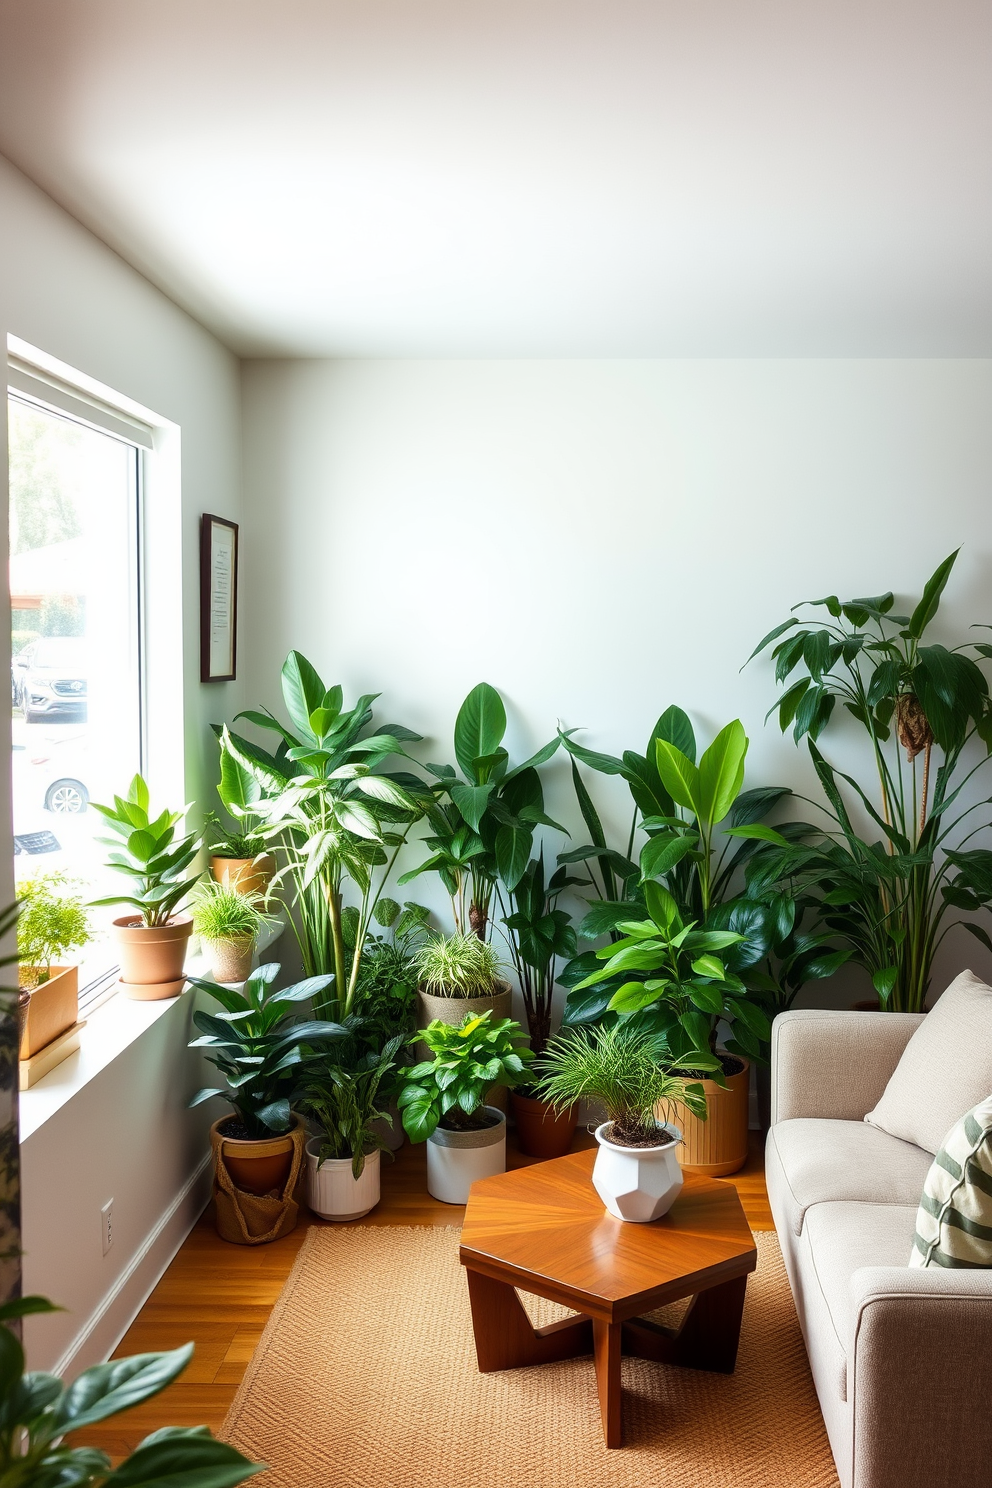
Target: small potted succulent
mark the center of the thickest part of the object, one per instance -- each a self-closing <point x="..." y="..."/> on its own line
<point x="347" y="1108"/>
<point x="256" y="1044"/>
<point x="637" y="1172"/>
<point x="460" y="975"/>
<point x="228" y="922"/>
<point x="152" y="939"/>
<point x="442" y="1100"/>
<point x="52" y="922"/>
<point x="238" y="856"/>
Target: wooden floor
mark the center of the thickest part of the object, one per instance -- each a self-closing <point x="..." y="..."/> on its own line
<point x="220" y="1296"/>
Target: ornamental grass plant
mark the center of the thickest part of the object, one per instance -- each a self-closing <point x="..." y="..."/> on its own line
<point x="459" y="966"/>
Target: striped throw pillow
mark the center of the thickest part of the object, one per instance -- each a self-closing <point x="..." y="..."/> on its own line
<point x="954" y="1222"/>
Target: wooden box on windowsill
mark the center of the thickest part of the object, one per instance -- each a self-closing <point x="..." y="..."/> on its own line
<point x="52" y="1010"/>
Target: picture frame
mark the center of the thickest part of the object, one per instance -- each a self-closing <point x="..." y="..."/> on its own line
<point x="218" y="599"/>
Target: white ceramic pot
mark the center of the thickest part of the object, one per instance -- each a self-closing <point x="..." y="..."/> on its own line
<point x="637" y="1183"/>
<point x="334" y="1192"/>
<point x="455" y="1159"/>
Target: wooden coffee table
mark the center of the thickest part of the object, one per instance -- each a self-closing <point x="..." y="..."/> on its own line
<point x="544" y="1229"/>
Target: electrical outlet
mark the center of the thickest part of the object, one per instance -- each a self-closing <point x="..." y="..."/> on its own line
<point x="107" y="1217"/>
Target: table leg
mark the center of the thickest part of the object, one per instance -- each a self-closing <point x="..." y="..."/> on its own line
<point x="505" y="1338"/>
<point x="707" y="1338"/>
<point x="606" y="1346"/>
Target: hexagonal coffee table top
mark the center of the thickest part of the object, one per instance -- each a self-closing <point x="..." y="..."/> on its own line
<point x="544" y="1229"/>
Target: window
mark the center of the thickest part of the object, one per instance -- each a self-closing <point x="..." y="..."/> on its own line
<point x="76" y="642"/>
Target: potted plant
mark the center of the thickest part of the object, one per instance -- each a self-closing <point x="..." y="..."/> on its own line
<point x="442" y="1100"/>
<point x="460" y="976"/>
<point x="538" y="933"/>
<point x="238" y="857"/>
<point x="637" y="1173"/>
<point x="152" y="940"/>
<point x="38" y="1411"/>
<point x="343" y="1158"/>
<point x="256" y="1044"/>
<point x="52" y="922"/>
<point x="228" y="921"/>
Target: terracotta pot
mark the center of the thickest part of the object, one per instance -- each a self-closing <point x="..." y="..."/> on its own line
<point x="717" y="1145"/>
<point x="247" y="875"/>
<point x="50" y="1010"/>
<point x="152" y="958"/>
<point x="452" y="1010"/>
<point x="540" y="1133"/>
<point x="230" y="960"/>
<point x="257" y="1167"/>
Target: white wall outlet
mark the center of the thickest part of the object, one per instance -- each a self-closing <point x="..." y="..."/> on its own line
<point x="107" y="1220"/>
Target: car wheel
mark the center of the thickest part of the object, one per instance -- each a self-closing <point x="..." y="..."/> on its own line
<point x="66" y="797"/>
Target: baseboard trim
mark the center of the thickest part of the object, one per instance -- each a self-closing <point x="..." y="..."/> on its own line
<point x="107" y="1324"/>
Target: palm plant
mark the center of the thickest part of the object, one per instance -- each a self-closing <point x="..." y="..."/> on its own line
<point x="483" y="834"/>
<point x="334" y="814"/>
<point x="887" y="900"/>
<point x="626" y="1068"/>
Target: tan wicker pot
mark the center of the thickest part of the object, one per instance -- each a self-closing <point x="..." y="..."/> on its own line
<point x="247" y="875"/>
<point x="51" y="1008"/>
<point x="152" y="958"/>
<point x="230" y="960"/>
<point x="718" y="1145"/>
<point x="452" y="1010"/>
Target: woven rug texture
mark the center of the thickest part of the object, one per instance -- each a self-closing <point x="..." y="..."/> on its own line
<point x="366" y="1378"/>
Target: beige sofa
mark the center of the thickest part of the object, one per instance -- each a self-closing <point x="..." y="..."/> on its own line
<point x="901" y="1358"/>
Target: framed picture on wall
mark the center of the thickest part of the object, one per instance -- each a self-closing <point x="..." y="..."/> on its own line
<point x="218" y="599"/>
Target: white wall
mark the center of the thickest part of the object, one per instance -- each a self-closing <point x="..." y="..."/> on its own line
<point x="67" y="294"/>
<point x="598" y="539"/>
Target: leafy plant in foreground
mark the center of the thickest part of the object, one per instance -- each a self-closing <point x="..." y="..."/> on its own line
<point x="449" y="1090"/>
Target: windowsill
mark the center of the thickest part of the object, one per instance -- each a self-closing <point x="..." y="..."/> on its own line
<point x="115" y="1025"/>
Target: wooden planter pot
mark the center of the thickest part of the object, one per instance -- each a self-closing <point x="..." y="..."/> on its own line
<point x="718" y="1145"/>
<point x="452" y="1010"/>
<point x="52" y="1008"/>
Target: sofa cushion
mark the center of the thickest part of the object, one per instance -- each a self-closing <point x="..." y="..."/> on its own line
<point x="954" y="1224"/>
<point x="945" y="1069"/>
<point x="838" y="1239"/>
<point x="821" y="1162"/>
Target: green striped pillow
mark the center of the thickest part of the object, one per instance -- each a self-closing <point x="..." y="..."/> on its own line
<point x="954" y="1222"/>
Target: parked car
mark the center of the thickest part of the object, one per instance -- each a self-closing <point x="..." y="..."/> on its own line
<point x="49" y="677"/>
<point x="50" y="774"/>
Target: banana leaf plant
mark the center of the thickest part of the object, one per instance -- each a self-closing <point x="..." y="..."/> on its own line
<point x="38" y="1411"/>
<point x="334" y="814"/>
<point x="705" y="840"/>
<point x="538" y="933"/>
<point x="482" y="823"/>
<point x="926" y="714"/>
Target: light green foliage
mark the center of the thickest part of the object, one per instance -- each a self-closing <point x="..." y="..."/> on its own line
<point x="221" y="913"/>
<point x="256" y="1041"/>
<point x="927" y="719"/>
<point x="386" y="992"/>
<point x="482" y="825"/>
<point x="449" y="1090"/>
<point x="628" y="1070"/>
<point x="149" y="854"/>
<point x="334" y="814"/>
<point x="38" y="1410"/>
<point x="458" y="966"/>
<point x="52" y="922"/>
<point x="346" y="1102"/>
<point x="233" y="842"/>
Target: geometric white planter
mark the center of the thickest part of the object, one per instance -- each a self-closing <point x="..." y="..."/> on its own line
<point x="455" y="1159"/>
<point x="637" y="1183"/>
<point x="334" y="1192"/>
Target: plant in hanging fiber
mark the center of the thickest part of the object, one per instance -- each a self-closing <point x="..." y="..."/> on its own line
<point x="925" y="710"/>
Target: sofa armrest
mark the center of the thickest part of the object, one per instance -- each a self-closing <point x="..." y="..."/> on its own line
<point x="919" y="1366"/>
<point x="834" y="1064"/>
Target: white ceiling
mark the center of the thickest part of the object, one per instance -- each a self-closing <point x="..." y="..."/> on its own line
<point x="527" y="177"/>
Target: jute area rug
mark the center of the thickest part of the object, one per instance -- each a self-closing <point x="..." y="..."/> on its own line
<point x="366" y="1378"/>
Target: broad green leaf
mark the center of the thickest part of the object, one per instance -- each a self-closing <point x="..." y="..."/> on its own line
<point x="709" y="966"/>
<point x="176" y="1458"/>
<point x="631" y="997"/>
<point x="679" y="775"/>
<point x="772" y="635"/>
<point x="302" y="691"/>
<point x="660" y="905"/>
<point x="513" y="845"/>
<point x="108" y="1388"/>
<point x="472" y="801"/>
<point x="675" y="726"/>
<point x="238" y="788"/>
<point x="721" y="772"/>
<point x="660" y="854"/>
<point x="759" y="833"/>
<point x="930" y="602"/>
<point x="479" y="727"/>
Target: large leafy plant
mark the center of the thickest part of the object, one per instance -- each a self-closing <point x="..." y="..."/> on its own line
<point x="257" y="1042"/>
<point x="920" y="705"/>
<point x="539" y="933"/>
<point x="149" y="854"/>
<point x="337" y="816"/>
<point x="37" y="1411"/>
<point x="345" y="1103"/>
<point x="482" y="823"/>
<point x="449" y="1090"/>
